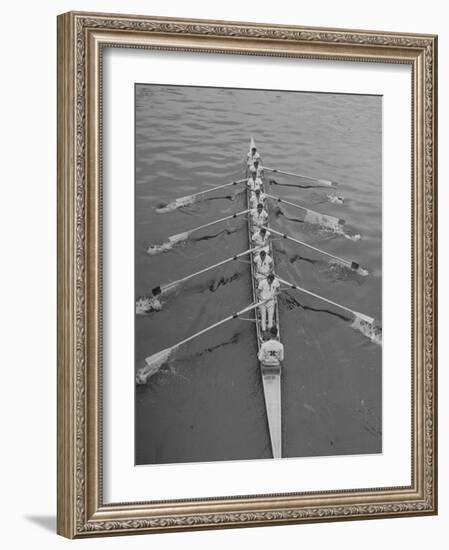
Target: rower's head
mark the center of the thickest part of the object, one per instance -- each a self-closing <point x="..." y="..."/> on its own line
<point x="273" y="332"/>
<point x="253" y="151"/>
<point x="256" y="163"/>
<point x="262" y="254"/>
<point x="263" y="231"/>
<point x="258" y="192"/>
<point x="270" y="278"/>
<point x="259" y="207"/>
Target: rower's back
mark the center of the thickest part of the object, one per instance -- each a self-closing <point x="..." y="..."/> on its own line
<point x="271" y="353"/>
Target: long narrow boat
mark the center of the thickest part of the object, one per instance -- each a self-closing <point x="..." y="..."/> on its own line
<point x="271" y="376"/>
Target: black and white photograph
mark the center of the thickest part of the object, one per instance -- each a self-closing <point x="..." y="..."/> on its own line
<point x="258" y="274"/>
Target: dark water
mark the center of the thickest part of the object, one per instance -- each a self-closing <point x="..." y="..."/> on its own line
<point x="207" y="403"/>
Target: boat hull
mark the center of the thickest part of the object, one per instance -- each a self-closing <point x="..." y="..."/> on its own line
<point x="271" y="376"/>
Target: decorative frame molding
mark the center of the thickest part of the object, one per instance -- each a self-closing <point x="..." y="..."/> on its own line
<point x="81" y="37"/>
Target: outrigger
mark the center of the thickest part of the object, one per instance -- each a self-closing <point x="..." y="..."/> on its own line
<point x="271" y="375"/>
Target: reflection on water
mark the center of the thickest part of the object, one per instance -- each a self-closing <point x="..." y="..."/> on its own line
<point x="207" y="403"/>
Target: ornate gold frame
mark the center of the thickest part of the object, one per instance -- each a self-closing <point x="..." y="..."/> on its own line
<point x="81" y="37"/>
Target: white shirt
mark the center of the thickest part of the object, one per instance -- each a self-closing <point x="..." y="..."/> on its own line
<point x="254" y="201"/>
<point x="258" y="240"/>
<point x="271" y="352"/>
<point x="259" y="219"/>
<point x="254" y="184"/>
<point x="263" y="267"/>
<point x="267" y="291"/>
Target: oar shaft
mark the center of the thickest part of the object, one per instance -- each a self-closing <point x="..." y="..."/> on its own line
<point x="341" y="260"/>
<point x="286" y="202"/>
<point x="215" y="188"/>
<point x="215" y="325"/>
<point x="236" y="215"/>
<point x="322" y="298"/>
<point x="321" y="181"/>
<point x="184" y="279"/>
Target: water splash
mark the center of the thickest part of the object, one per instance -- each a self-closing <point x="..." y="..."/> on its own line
<point x="178" y="203"/>
<point x="335" y="199"/>
<point x="159" y="248"/>
<point x="368" y="329"/>
<point x="147" y="304"/>
<point x="345" y="272"/>
<point x="152" y="365"/>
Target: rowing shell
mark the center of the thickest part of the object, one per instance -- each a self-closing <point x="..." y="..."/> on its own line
<point x="271" y="376"/>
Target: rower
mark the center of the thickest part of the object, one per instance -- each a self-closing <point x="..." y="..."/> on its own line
<point x="261" y="239"/>
<point x="258" y="168"/>
<point x="259" y="216"/>
<point x="256" y="197"/>
<point x="271" y="352"/>
<point x="254" y="182"/>
<point x="268" y="289"/>
<point x="264" y="265"/>
<point x="252" y="156"/>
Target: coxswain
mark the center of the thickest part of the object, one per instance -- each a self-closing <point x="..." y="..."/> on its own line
<point x="271" y="353"/>
<point x="268" y="289"/>
<point x="254" y="182"/>
<point x="252" y="156"/>
<point x="259" y="216"/>
<point x="256" y="197"/>
<point x="261" y="239"/>
<point x="264" y="265"/>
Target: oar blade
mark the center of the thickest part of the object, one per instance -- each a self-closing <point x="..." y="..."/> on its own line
<point x="179" y="237"/>
<point x="152" y="365"/>
<point x="178" y="203"/>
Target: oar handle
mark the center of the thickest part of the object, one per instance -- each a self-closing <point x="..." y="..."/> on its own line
<point x="323" y="299"/>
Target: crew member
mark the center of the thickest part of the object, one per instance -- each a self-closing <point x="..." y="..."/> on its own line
<point x="261" y="239"/>
<point x="264" y="265"/>
<point x="256" y="197"/>
<point x="252" y="156"/>
<point x="271" y="353"/>
<point x="254" y="182"/>
<point x="259" y="216"/>
<point x="258" y="168"/>
<point x="268" y="288"/>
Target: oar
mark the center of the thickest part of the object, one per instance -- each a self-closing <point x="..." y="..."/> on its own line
<point x="303" y="176"/>
<point x="155" y="361"/>
<point x="311" y="215"/>
<point x="163" y="288"/>
<point x="361" y="316"/>
<point x="351" y="264"/>
<point x="184" y="236"/>
<point x="189" y="199"/>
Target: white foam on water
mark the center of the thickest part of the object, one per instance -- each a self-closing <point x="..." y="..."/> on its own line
<point x="147" y="304"/>
<point x="371" y="331"/>
<point x="158" y="248"/>
<point x="178" y="203"/>
<point x="335" y="199"/>
<point x="152" y="365"/>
